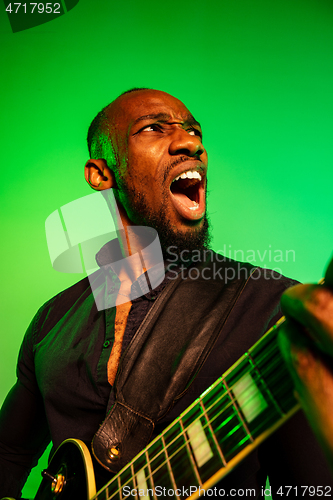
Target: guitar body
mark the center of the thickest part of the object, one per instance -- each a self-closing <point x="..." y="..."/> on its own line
<point x="71" y="466"/>
<point x="72" y="469"/>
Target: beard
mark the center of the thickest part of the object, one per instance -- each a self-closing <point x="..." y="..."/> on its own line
<point x="172" y="240"/>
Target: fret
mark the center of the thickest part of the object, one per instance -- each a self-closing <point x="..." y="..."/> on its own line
<point x="263" y="381"/>
<point x="159" y="469"/>
<point x="223" y="460"/>
<point x="142" y="486"/>
<point x="224" y="421"/>
<point x="252" y="398"/>
<point x="179" y="456"/>
<point x="126" y="483"/>
<point x="110" y="491"/>
<point x="142" y="475"/>
<point x="267" y="348"/>
<point x="203" y="443"/>
<point x="249" y="399"/>
<point x="266" y="351"/>
<point x="195" y="468"/>
<point x="119" y="488"/>
<point x="150" y="474"/>
<point x="199" y="443"/>
<point x="272" y="366"/>
<point x="139" y="480"/>
<point x="282" y="387"/>
<point x="102" y="495"/>
<point x="172" y="477"/>
<point x="267" y="360"/>
<point x="266" y="344"/>
<point x="240" y="390"/>
<point x="274" y="370"/>
<point x="134" y="482"/>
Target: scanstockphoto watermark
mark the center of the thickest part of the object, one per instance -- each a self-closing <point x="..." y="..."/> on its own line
<point x="162" y="491"/>
<point x="219" y="266"/>
<point x="225" y="273"/>
<point x="265" y="258"/>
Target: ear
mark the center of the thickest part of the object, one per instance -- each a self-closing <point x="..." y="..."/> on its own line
<point x="98" y="175"/>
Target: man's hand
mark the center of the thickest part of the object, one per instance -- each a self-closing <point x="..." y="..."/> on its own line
<point x="306" y="341"/>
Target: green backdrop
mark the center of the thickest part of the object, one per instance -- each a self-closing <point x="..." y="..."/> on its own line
<point x="257" y="74"/>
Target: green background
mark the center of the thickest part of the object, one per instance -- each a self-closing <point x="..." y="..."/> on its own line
<point x="257" y="74"/>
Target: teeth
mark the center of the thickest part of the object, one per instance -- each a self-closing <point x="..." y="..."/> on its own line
<point x="190" y="174"/>
<point x="196" y="205"/>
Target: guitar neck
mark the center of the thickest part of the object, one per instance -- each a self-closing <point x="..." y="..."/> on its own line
<point x="241" y="409"/>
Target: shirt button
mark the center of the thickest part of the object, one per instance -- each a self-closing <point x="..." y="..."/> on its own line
<point x="106" y="344"/>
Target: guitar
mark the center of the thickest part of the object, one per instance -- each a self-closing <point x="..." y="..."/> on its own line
<point x="228" y="421"/>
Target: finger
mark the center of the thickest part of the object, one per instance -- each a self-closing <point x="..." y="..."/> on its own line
<point x="312" y="307"/>
<point x="296" y="352"/>
<point x="313" y="381"/>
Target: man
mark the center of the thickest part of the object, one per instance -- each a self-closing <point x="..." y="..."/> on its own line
<point x="147" y="148"/>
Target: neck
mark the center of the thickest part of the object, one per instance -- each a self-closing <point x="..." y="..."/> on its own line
<point x="136" y="243"/>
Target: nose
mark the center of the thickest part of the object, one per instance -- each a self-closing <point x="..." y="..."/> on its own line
<point x="184" y="143"/>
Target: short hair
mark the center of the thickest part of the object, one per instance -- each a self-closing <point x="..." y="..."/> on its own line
<point x="99" y="143"/>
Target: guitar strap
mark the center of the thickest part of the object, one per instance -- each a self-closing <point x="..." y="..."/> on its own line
<point x="163" y="359"/>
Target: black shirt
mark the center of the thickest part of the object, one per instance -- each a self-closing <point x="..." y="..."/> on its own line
<point x="62" y="389"/>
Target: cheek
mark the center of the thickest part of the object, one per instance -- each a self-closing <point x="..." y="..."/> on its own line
<point x="146" y="171"/>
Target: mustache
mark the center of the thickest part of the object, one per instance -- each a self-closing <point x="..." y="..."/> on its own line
<point x="178" y="161"/>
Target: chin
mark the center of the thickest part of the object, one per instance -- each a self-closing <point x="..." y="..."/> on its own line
<point x="172" y="229"/>
<point x="190" y="236"/>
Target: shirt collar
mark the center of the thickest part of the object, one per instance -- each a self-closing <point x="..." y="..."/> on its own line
<point x="148" y="284"/>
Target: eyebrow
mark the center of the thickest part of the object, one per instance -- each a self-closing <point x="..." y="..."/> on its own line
<point x="189" y="119"/>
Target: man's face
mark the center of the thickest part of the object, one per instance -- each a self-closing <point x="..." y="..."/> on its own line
<point x="162" y="166"/>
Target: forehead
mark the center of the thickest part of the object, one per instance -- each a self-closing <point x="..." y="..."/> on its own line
<point x="130" y="108"/>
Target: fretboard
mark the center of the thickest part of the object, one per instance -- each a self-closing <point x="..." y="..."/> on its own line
<point x="232" y="417"/>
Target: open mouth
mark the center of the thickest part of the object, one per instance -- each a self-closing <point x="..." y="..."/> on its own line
<point x="188" y="194"/>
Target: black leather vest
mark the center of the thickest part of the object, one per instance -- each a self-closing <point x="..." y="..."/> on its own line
<point x="166" y="353"/>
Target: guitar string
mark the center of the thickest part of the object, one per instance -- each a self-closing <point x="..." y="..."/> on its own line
<point x="186" y="441"/>
<point x="267" y="337"/>
<point x="273" y="380"/>
<point x="272" y="354"/>
<point x="177" y="451"/>
<point x="205" y="426"/>
<point x="220" y="380"/>
<point x="150" y="475"/>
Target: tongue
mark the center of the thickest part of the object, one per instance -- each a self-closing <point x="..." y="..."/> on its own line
<point x="185" y="200"/>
